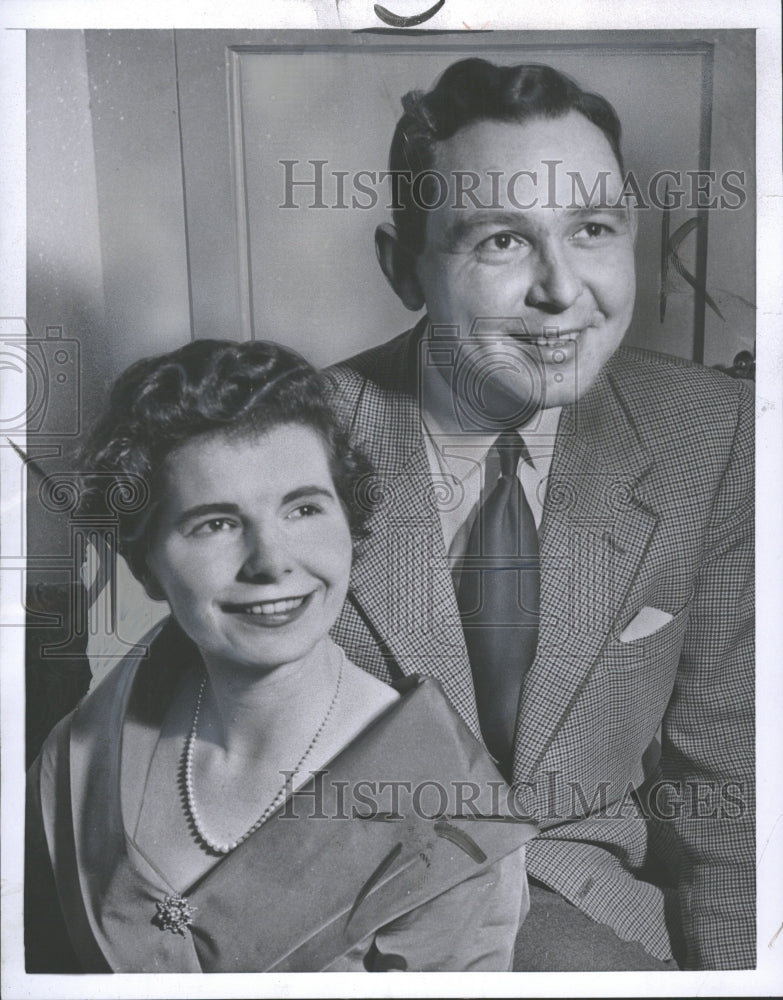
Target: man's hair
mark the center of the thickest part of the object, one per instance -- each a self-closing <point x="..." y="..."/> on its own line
<point x="207" y="388"/>
<point x="474" y="90"/>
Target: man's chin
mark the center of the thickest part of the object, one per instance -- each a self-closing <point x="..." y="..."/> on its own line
<point x="501" y="405"/>
<point x="505" y="405"/>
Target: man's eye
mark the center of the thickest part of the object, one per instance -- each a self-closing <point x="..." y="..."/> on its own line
<point x="593" y="231"/>
<point x="501" y="243"/>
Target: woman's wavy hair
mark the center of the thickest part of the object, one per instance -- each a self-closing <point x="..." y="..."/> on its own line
<point x="208" y="387"/>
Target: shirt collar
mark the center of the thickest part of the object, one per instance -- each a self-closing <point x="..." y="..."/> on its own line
<point x="441" y="424"/>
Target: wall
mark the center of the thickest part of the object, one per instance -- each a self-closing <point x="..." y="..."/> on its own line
<point x="107" y="259"/>
<point x="154" y="181"/>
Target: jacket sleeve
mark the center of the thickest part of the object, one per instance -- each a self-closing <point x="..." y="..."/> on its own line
<point x="708" y="731"/>
<point x="47" y="944"/>
<point x="469" y="928"/>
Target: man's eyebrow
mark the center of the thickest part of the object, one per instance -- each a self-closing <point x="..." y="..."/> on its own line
<point x="466" y="223"/>
<point x="602" y="207"/>
<point x="489" y="217"/>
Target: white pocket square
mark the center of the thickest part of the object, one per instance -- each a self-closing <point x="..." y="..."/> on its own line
<point x="648" y="620"/>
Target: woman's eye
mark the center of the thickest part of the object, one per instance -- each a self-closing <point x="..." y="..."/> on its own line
<point x="214" y="526"/>
<point x="305" y="510"/>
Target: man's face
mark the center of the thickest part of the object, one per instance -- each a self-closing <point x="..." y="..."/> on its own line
<point x="541" y="296"/>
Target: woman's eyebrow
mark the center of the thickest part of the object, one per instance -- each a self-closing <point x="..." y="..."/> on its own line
<point x="308" y="491"/>
<point x="200" y="510"/>
<point x="220" y="507"/>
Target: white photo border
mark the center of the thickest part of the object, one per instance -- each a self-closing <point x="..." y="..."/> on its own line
<point x="15" y="17"/>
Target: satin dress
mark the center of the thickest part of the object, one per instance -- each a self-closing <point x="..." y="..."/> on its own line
<point x="343" y="877"/>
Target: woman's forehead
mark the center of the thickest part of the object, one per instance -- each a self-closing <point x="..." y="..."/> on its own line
<point x="233" y="462"/>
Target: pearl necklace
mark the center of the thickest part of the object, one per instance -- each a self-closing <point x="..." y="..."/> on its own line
<point x="187" y="775"/>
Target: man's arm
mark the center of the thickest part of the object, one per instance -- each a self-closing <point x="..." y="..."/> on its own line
<point x="708" y="729"/>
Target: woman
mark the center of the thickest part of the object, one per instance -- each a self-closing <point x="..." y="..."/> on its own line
<point x="244" y="798"/>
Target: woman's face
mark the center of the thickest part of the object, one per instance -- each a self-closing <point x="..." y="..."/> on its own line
<point x="252" y="546"/>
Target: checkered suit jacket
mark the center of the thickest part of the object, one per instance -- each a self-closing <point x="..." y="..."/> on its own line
<point x="636" y="758"/>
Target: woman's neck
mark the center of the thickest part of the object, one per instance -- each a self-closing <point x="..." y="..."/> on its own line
<point x="245" y="711"/>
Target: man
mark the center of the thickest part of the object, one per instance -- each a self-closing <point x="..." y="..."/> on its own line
<point x="562" y="530"/>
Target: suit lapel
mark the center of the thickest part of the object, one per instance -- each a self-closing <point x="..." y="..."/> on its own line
<point x="596" y="530"/>
<point x="597" y="527"/>
<point x="401" y="580"/>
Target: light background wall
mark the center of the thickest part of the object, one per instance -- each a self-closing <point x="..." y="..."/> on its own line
<point x="154" y="187"/>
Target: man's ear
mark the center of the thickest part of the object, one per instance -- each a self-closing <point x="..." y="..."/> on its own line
<point x="398" y="263"/>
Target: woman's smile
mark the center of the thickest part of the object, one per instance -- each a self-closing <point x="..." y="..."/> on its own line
<point x="271" y="613"/>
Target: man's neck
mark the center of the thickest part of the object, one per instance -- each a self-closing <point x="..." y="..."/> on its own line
<point x="445" y="414"/>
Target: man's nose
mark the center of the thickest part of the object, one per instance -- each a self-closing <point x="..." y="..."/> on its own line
<point x="555" y="285"/>
<point x="267" y="557"/>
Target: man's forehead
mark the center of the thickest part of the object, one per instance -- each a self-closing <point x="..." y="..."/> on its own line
<point x="542" y="163"/>
<point x="571" y="138"/>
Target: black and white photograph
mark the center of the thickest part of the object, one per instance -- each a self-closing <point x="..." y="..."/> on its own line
<point x="391" y="445"/>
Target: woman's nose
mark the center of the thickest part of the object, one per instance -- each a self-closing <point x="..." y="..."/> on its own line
<point x="555" y="285"/>
<point x="267" y="557"/>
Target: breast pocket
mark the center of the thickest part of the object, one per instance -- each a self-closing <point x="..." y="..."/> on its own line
<point x="623" y="702"/>
<point x="659" y="648"/>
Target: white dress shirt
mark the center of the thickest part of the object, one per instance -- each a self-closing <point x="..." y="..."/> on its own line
<point x="458" y="463"/>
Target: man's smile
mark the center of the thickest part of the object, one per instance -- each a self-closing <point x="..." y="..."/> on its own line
<point x="548" y="337"/>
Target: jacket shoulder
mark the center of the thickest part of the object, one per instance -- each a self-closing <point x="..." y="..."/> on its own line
<point x="653" y="371"/>
<point x="382" y="364"/>
<point x="674" y="395"/>
<point x="374" y="382"/>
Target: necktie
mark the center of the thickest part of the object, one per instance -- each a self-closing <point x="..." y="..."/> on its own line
<point x="498" y="599"/>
